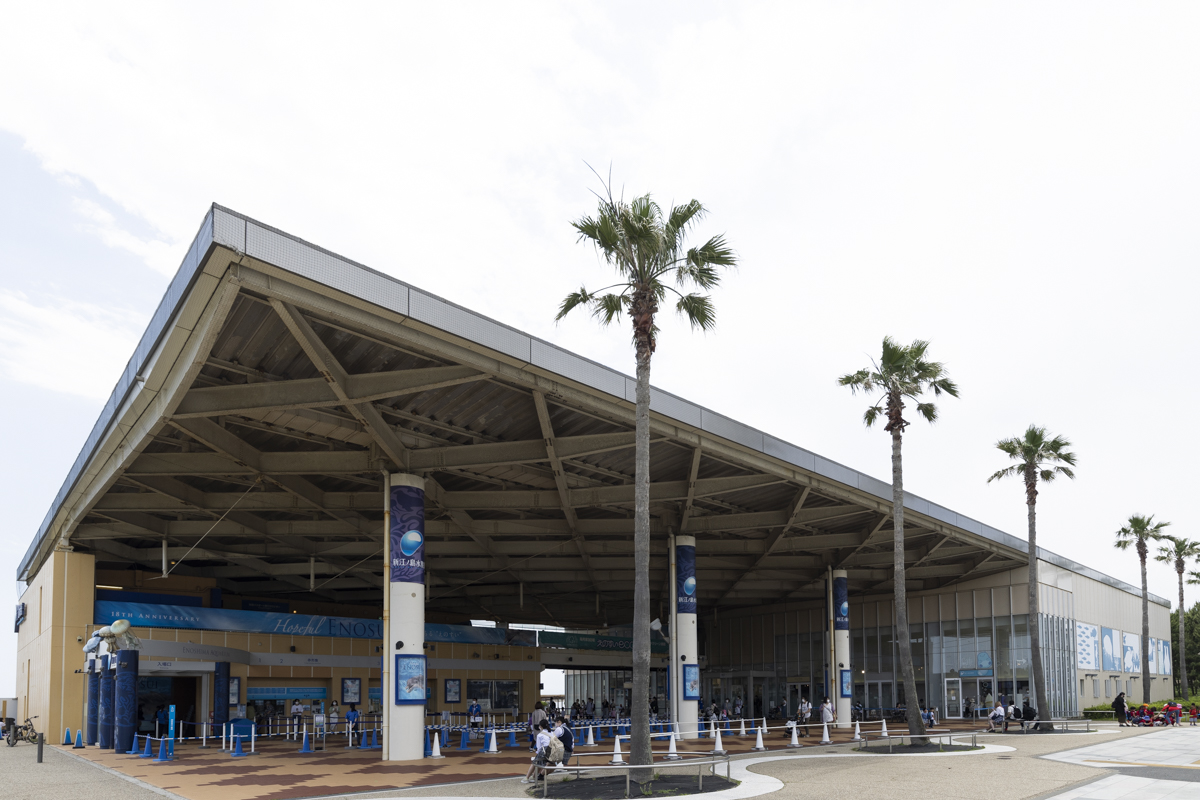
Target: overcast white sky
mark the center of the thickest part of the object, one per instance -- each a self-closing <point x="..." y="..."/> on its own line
<point x="1015" y="182"/>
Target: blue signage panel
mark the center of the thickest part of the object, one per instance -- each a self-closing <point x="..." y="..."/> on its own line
<point x="410" y="680"/>
<point x="171" y="734"/>
<point x="228" y="619"/>
<point x="285" y="693"/>
<point x="846" y="684"/>
<point x="975" y="673"/>
<point x="685" y="578"/>
<point x="841" y="605"/>
<point x="407" y="535"/>
<point x="691" y="681"/>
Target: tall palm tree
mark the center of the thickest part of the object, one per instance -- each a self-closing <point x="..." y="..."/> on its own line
<point x="1044" y="459"/>
<point x="1139" y="532"/>
<point x="647" y="248"/>
<point x="901" y="373"/>
<point x="1177" y="553"/>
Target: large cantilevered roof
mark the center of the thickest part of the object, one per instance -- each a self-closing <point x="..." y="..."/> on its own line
<point x="277" y="382"/>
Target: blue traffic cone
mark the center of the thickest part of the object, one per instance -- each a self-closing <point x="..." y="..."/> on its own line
<point x="428" y="746"/>
<point x="727" y="728"/>
<point x="78" y="740"/>
<point x="237" y="749"/>
<point x="512" y="737"/>
<point x="133" y="751"/>
<point x="67" y="737"/>
<point x="304" y="748"/>
<point x="148" y="753"/>
<point x="465" y="742"/>
<point x="363" y="744"/>
<point x="375" y="745"/>
<point x="162" y="751"/>
<point x="599" y="734"/>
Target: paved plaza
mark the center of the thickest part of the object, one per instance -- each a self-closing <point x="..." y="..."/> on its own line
<point x="1111" y="764"/>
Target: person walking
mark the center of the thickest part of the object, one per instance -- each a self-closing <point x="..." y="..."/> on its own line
<point x="828" y="715"/>
<point x="1121" y="710"/>
<point x="535" y="721"/>
<point x="805" y="715"/>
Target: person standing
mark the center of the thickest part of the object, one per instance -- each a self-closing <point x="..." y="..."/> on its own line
<point x="535" y="721"/>
<point x="828" y="715"/>
<point x="563" y="732"/>
<point x="1121" y="710"/>
<point x="805" y="715"/>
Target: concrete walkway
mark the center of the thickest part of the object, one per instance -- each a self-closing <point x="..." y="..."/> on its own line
<point x="61" y="775"/>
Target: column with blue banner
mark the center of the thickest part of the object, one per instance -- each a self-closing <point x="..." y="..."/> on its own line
<point x="125" y="702"/>
<point x="688" y="667"/>
<point x="843" y="673"/>
<point x="404" y="679"/>
<point x="105" y="733"/>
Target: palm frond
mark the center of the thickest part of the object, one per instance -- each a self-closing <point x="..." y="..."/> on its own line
<point x="572" y="301"/>
<point x="1007" y="472"/>
<point x="698" y="310"/>
<point x="872" y="414"/>
<point x="928" y="411"/>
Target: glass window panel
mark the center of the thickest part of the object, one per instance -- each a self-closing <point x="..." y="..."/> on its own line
<point x="886" y="648"/>
<point x="871" y="664"/>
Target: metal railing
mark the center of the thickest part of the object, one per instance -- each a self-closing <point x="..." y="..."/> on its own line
<point x="629" y="768"/>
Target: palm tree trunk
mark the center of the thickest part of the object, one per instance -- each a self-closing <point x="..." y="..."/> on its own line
<point x="1183" y="681"/>
<point x="916" y="726"/>
<point x="1035" y="629"/>
<point x="639" y="744"/>
<point x="1145" y="627"/>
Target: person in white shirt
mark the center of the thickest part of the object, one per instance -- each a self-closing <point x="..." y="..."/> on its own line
<point x="805" y="715"/>
<point x="542" y="740"/>
<point x="996" y="718"/>
<point x="827" y="713"/>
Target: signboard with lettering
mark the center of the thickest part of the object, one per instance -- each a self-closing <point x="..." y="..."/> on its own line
<point x="685" y="578"/>
<point x="407" y="534"/>
<point x="583" y="641"/>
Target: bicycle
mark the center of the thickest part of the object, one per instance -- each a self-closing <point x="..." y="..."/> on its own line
<point x="22" y="733"/>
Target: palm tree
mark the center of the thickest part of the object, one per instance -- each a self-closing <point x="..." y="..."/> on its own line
<point x="1044" y="459"/>
<point x="647" y="248"/>
<point x="1177" y="553"/>
<point x="902" y="373"/>
<point x="1139" y="532"/>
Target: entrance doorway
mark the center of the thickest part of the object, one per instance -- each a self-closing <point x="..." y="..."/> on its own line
<point x="879" y="699"/>
<point x="797" y="692"/>
<point x="953" y="709"/>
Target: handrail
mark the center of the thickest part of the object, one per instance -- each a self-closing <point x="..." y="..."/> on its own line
<point x="652" y="765"/>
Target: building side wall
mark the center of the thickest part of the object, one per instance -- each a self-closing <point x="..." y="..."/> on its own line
<point x="58" y="601"/>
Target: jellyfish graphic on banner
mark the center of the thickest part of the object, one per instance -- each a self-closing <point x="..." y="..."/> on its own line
<point x="685" y="578"/>
<point x="408" y="535"/>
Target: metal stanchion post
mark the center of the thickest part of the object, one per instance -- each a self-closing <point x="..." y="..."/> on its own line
<point x="41" y="741"/>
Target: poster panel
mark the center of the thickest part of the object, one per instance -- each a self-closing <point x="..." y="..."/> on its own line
<point x="1133" y="652"/>
<point x="410" y="680"/>
<point x="1087" y="646"/>
<point x="1110" y="645"/>
<point x="351" y="690"/>
<point x="453" y="690"/>
<point x="691" y="681"/>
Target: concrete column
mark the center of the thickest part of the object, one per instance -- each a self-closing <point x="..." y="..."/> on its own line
<point x="841" y="648"/>
<point x="220" y="699"/>
<point x="105" y="734"/>
<point x="685" y="615"/>
<point x="404" y="634"/>
<point x="93" y="701"/>
<point x="125" y="705"/>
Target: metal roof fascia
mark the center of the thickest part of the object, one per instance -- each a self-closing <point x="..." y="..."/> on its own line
<point x="164" y="315"/>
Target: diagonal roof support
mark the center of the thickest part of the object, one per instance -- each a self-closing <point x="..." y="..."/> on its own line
<point x="773" y="540"/>
<point x="560" y="482"/>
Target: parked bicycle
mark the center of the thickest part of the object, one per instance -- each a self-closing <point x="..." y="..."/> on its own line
<point x="22" y="733"/>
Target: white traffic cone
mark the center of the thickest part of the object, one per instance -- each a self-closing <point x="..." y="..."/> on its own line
<point x="492" y="749"/>
<point x="764" y="723"/>
<point x="795" y="737"/>
<point x="437" y="746"/>
<point x="672" y="753"/>
<point x="883" y="733"/>
<point x="591" y="742"/>
<point x="675" y="736"/>
<point x="742" y="731"/>
<point x="825" y="733"/>
<point x="717" y="750"/>
<point x="758" y="742"/>
<point x="857" y="735"/>
<point x="617" y="759"/>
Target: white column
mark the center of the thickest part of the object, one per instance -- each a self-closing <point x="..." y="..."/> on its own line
<point x="685" y="640"/>
<point x="404" y="627"/>
<point x="841" y="647"/>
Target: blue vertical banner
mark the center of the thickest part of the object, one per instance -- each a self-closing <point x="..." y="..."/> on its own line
<point x="841" y="605"/>
<point x="171" y="733"/>
<point x="408" y="535"/>
<point x="93" y="702"/>
<point x="105" y="736"/>
<point x="685" y="578"/>
<point x="125" y="705"/>
<point x="220" y="700"/>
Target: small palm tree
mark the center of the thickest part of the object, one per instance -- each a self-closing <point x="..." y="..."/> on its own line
<point x="1139" y="532"/>
<point x="1177" y="554"/>
<point x="1040" y="458"/>
<point x="647" y="248"/>
<point x="902" y="373"/>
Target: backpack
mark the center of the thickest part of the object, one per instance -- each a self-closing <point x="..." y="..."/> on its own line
<point x="556" y="750"/>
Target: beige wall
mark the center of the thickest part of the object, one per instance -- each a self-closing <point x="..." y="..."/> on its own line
<point x="59" y="603"/>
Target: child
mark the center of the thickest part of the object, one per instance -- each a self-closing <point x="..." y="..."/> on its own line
<point x="1194" y="713"/>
